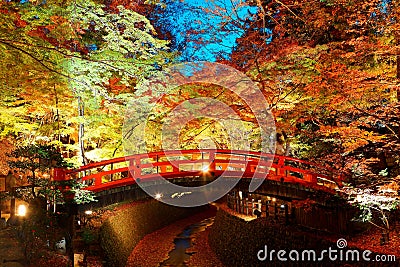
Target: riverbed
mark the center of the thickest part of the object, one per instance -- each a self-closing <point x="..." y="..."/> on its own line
<point x="179" y="256"/>
<point x="155" y="248"/>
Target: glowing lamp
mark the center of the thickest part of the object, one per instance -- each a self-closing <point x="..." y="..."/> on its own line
<point x="21" y="210"/>
<point x="88" y="212"/>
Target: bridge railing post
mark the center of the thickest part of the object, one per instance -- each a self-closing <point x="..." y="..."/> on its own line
<point x="314" y="178"/>
<point x="59" y="174"/>
<point x="280" y="171"/>
<point x="212" y="163"/>
<point x="98" y="179"/>
<point x="132" y="168"/>
<point x="340" y="179"/>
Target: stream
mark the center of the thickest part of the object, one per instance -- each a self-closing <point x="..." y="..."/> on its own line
<point x="178" y="256"/>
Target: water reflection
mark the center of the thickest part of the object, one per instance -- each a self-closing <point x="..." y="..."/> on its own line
<point x="178" y="256"/>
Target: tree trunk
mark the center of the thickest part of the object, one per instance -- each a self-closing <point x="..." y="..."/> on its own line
<point x="33" y="183"/>
<point x="398" y="65"/>
<point x="81" y="131"/>
<point x="57" y="114"/>
<point x="397" y="36"/>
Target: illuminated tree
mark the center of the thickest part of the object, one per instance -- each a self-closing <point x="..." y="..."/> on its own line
<point x="375" y="205"/>
<point x="80" y="61"/>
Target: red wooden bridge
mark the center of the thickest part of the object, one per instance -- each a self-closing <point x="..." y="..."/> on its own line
<point x="123" y="171"/>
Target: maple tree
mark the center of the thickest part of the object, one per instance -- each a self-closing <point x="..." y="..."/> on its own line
<point x="31" y="87"/>
<point x="213" y="117"/>
<point x="80" y="62"/>
<point x="328" y="70"/>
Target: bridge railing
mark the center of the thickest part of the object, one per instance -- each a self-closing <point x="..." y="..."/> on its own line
<point x="185" y="163"/>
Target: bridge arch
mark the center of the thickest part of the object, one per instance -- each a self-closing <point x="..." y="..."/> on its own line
<point x="213" y="163"/>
